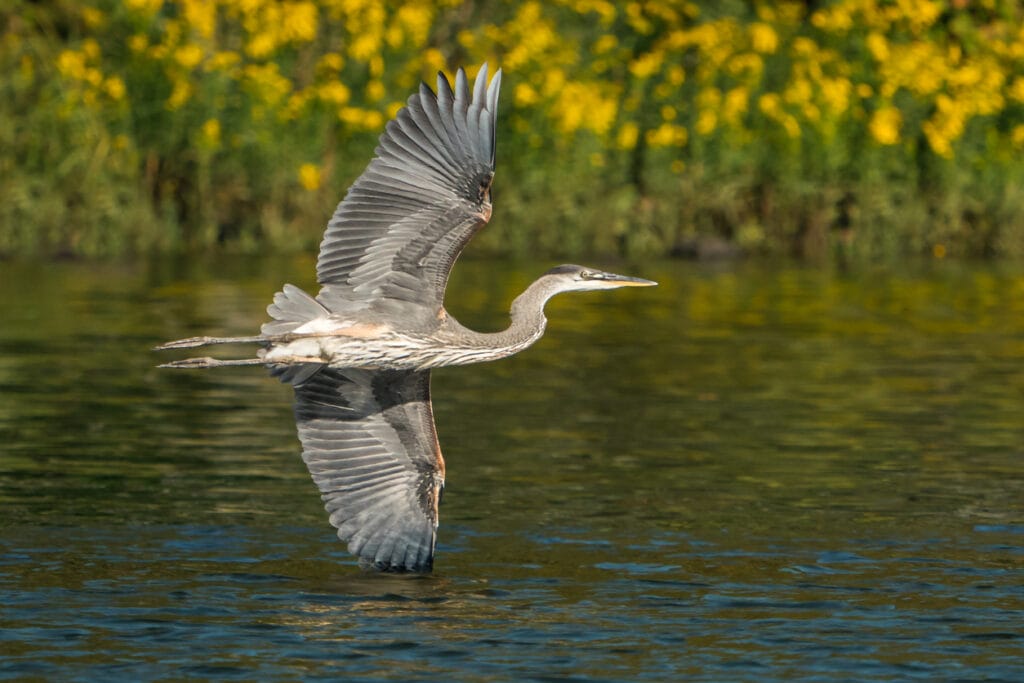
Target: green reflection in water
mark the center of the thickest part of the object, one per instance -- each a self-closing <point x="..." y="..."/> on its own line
<point x="740" y="456"/>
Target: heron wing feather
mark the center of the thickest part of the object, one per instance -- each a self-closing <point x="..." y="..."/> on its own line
<point x="369" y="442"/>
<point x="402" y="224"/>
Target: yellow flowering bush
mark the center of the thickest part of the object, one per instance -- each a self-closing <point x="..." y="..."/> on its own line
<point x="635" y="125"/>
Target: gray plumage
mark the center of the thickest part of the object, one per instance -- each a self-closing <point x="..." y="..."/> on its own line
<point x="359" y="354"/>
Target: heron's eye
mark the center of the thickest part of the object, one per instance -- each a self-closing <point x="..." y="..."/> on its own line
<point x="586" y="275"/>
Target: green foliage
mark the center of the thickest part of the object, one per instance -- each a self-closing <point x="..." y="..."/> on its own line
<point x="868" y="128"/>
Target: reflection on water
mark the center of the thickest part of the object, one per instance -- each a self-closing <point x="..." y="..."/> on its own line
<point x="746" y="472"/>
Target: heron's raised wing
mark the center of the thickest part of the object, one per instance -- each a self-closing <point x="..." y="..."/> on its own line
<point x="405" y="220"/>
<point x="368" y="439"/>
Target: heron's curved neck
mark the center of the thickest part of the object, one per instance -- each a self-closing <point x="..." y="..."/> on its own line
<point x="527" y="315"/>
<point x="527" y="325"/>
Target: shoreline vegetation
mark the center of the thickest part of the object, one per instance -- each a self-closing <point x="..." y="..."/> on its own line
<point x="867" y="129"/>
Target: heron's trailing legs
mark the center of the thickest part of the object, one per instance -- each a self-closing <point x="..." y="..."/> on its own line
<point x="207" y="362"/>
<point x="193" y="342"/>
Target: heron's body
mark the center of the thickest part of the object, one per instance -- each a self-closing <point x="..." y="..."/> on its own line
<point x="359" y="354"/>
<point x="346" y="341"/>
<point x="377" y="347"/>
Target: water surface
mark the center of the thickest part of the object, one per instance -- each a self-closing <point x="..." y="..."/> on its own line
<point x="746" y="473"/>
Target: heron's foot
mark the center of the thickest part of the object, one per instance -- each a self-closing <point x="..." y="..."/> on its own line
<point x="207" y="362"/>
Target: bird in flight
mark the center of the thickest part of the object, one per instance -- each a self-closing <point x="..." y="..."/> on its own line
<point x="359" y="354"/>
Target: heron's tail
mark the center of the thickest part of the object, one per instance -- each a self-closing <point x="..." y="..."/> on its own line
<point x="292" y="307"/>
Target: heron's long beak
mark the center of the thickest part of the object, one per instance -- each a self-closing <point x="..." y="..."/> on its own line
<point x="628" y="280"/>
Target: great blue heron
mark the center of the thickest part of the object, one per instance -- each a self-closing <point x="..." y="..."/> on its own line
<point x="359" y="354"/>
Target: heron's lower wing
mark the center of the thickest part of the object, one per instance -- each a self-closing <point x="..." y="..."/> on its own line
<point x="368" y="439"/>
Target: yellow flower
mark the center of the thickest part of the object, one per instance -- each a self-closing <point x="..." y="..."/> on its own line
<point x="770" y="103"/>
<point x="466" y="39"/>
<point x="201" y="15"/>
<point x="260" y="45"/>
<point x="330" y="63"/>
<point x="586" y="106"/>
<point x="376" y="65"/>
<point x="115" y="88"/>
<point x="146" y="6"/>
<point x="804" y="47"/>
<point x="878" y="46"/>
<point x="295" y="105"/>
<point x="554" y="80"/>
<point x="210" y="134"/>
<point x="334" y="92"/>
<point x="763" y="38"/>
<point x="836" y="93"/>
<point x="746" y="65"/>
<point x="92" y="17"/>
<point x="706" y="122"/>
<point x="266" y="82"/>
<point x="93" y="77"/>
<point x="375" y="91"/>
<point x="791" y="125"/>
<point x="222" y="61"/>
<point x="604" y="9"/>
<point x="1016" y="91"/>
<point x="363" y="119"/>
<point x="627" y="136"/>
<point x="188" y="55"/>
<point x="91" y="48"/>
<point x="525" y="95"/>
<point x="71" y="64"/>
<point x="434" y="60"/>
<point x="1017" y="136"/>
<point x="605" y="43"/>
<point x="415" y="20"/>
<point x="799" y="91"/>
<point x="310" y="177"/>
<point x="300" y="22"/>
<point x="736" y="102"/>
<point x="179" y="95"/>
<point x="365" y="46"/>
<point x="885" y="125"/>
<point x="646" y="65"/>
<point x="667" y="135"/>
<point x="138" y="43"/>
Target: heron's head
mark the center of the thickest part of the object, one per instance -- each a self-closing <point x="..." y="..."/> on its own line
<point x="573" y="278"/>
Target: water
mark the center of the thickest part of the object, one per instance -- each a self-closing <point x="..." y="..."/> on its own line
<point x="747" y="473"/>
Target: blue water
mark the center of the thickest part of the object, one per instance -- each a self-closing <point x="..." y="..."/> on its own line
<point x="747" y="473"/>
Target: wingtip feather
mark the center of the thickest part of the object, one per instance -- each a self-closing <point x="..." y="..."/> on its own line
<point x="461" y="89"/>
<point x="480" y="87"/>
